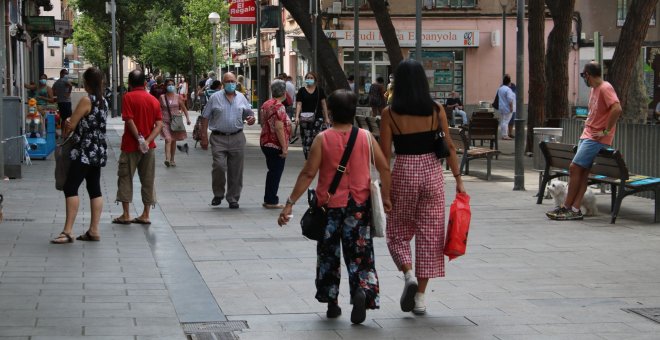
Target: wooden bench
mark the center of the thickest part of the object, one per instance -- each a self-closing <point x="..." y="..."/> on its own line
<point x="468" y="153"/>
<point x="481" y="114"/>
<point x="609" y="167"/>
<point x="484" y="129"/>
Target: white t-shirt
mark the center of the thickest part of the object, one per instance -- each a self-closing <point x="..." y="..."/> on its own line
<point x="183" y="89"/>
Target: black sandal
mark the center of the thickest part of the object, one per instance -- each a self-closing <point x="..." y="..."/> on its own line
<point x="88" y="237"/>
<point x="62" y="238"/>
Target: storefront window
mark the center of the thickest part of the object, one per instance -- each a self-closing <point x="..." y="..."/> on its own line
<point x="444" y="72"/>
<point x="373" y="64"/>
<point x="450" y="3"/>
<point x="381" y="56"/>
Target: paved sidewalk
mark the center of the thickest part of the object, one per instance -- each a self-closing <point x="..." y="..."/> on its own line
<point x="524" y="277"/>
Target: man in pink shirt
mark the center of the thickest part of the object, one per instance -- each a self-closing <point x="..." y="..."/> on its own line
<point x="604" y="111"/>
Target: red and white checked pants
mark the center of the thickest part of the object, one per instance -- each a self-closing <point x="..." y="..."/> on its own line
<point x="418" y="209"/>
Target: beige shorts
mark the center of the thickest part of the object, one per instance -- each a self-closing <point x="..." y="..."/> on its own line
<point x="145" y="164"/>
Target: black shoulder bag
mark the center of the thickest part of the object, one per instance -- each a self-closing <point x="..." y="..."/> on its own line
<point x="439" y="144"/>
<point x="315" y="219"/>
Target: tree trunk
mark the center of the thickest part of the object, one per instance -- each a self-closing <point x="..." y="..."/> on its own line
<point x="387" y="31"/>
<point x="628" y="48"/>
<point x="536" y="50"/>
<point x="636" y="109"/>
<point x="331" y="71"/>
<point x="556" y="68"/>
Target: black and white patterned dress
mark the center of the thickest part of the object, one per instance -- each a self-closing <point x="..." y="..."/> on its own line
<point x="89" y="136"/>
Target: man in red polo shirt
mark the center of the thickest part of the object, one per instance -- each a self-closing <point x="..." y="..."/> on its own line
<point x="142" y="123"/>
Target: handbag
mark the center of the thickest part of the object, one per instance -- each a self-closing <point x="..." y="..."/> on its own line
<point x="378" y="216"/>
<point x="176" y="121"/>
<point x="63" y="160"/>
<point x="458" y="226"/>
<point x="439" y="144"/>
<point x="315" y="219"/>
<point x="310" y="117"/>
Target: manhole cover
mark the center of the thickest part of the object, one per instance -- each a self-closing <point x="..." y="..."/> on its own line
<point x="652" y="314"/>
<point x="213" y="327"/>
<point x="19" y="219"/>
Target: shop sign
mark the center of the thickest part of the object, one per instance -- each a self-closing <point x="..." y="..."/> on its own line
<point x="242" y="12"/>
<point x="62" y="29"/>
<point x="407" y="38"/>
<point x="39" y="24"/>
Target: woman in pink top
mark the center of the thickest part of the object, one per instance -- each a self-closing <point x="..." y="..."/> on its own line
<point x="170" y="105"/>
<point x="349" y="209"/>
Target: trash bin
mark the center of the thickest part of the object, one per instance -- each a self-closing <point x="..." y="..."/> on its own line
<point x="544" y="134"/>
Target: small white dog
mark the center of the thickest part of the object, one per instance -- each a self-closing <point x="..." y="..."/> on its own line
<point x="558" y="189"/>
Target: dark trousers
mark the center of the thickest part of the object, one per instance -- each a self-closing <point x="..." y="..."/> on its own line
<point x="275" y="165"/>
<point x="65" y="110"/>
<point x="79" y="172"/>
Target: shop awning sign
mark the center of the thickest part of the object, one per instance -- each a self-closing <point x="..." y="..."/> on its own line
<point x="62" y="29"/>
<point x="242" y="12"/>
<point x="39" y="24"/>
<point x="407" y="38"/>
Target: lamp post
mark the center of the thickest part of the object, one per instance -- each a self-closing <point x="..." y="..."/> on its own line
<point x="519" y="172"/>
<point x="504" y="4"/>
<point x="214" y="19"/>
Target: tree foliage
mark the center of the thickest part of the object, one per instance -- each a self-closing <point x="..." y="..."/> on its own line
<point x="162" y="34"/>
<point x="163" y="48"/>
<point x="627" y="51"/>
<point x="93" y="40"/>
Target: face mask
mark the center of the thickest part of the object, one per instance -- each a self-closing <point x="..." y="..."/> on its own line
<point x="230" y="87"/>
<point x="309" y="82"/>
<point x="171" y="88"/>
<point x="586" y="82"/>
<point x="42" y="81"/>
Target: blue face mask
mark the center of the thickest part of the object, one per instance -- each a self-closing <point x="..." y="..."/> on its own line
<point x="309" y="82"/>
<point x="171" y="88"/>
<point x="230" y="87"/>
<point x="42" y="81"/>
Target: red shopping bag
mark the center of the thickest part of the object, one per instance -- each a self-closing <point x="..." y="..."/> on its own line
<point x="458" y="226"/>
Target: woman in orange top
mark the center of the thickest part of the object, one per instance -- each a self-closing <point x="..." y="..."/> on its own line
<point x="349" y="209"/>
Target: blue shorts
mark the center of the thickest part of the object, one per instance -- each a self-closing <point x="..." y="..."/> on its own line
<point x="587" y="151"/>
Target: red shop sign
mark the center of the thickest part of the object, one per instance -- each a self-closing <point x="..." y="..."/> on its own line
<point x="242" y="12"/>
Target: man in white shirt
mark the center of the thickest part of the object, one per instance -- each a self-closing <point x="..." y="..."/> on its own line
<point x="507" y="102"/>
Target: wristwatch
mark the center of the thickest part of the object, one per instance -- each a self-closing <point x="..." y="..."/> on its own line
<point x="606" y="132"/>
<point x="289" y="201"/>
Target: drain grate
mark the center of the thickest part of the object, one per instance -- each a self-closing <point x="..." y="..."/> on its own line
<point x="213" y="327"/>
<point x="652" y="314"/>
<point x="19" y="220"/>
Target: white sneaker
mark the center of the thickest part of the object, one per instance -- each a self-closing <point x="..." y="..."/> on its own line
<point x="408" y="295"/>
<point x="420" y="305"/>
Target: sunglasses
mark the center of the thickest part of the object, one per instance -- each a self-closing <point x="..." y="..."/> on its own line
<point x="584" y="75"/>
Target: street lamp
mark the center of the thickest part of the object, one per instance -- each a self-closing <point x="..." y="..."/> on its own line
<point x="214" y="19"/>
<point x="504" y="4"/>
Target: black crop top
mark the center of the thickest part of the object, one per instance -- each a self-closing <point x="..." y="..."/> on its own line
<point x="417" y="143"/>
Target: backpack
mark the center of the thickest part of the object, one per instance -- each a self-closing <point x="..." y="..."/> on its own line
<point x="496" y="101"/>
